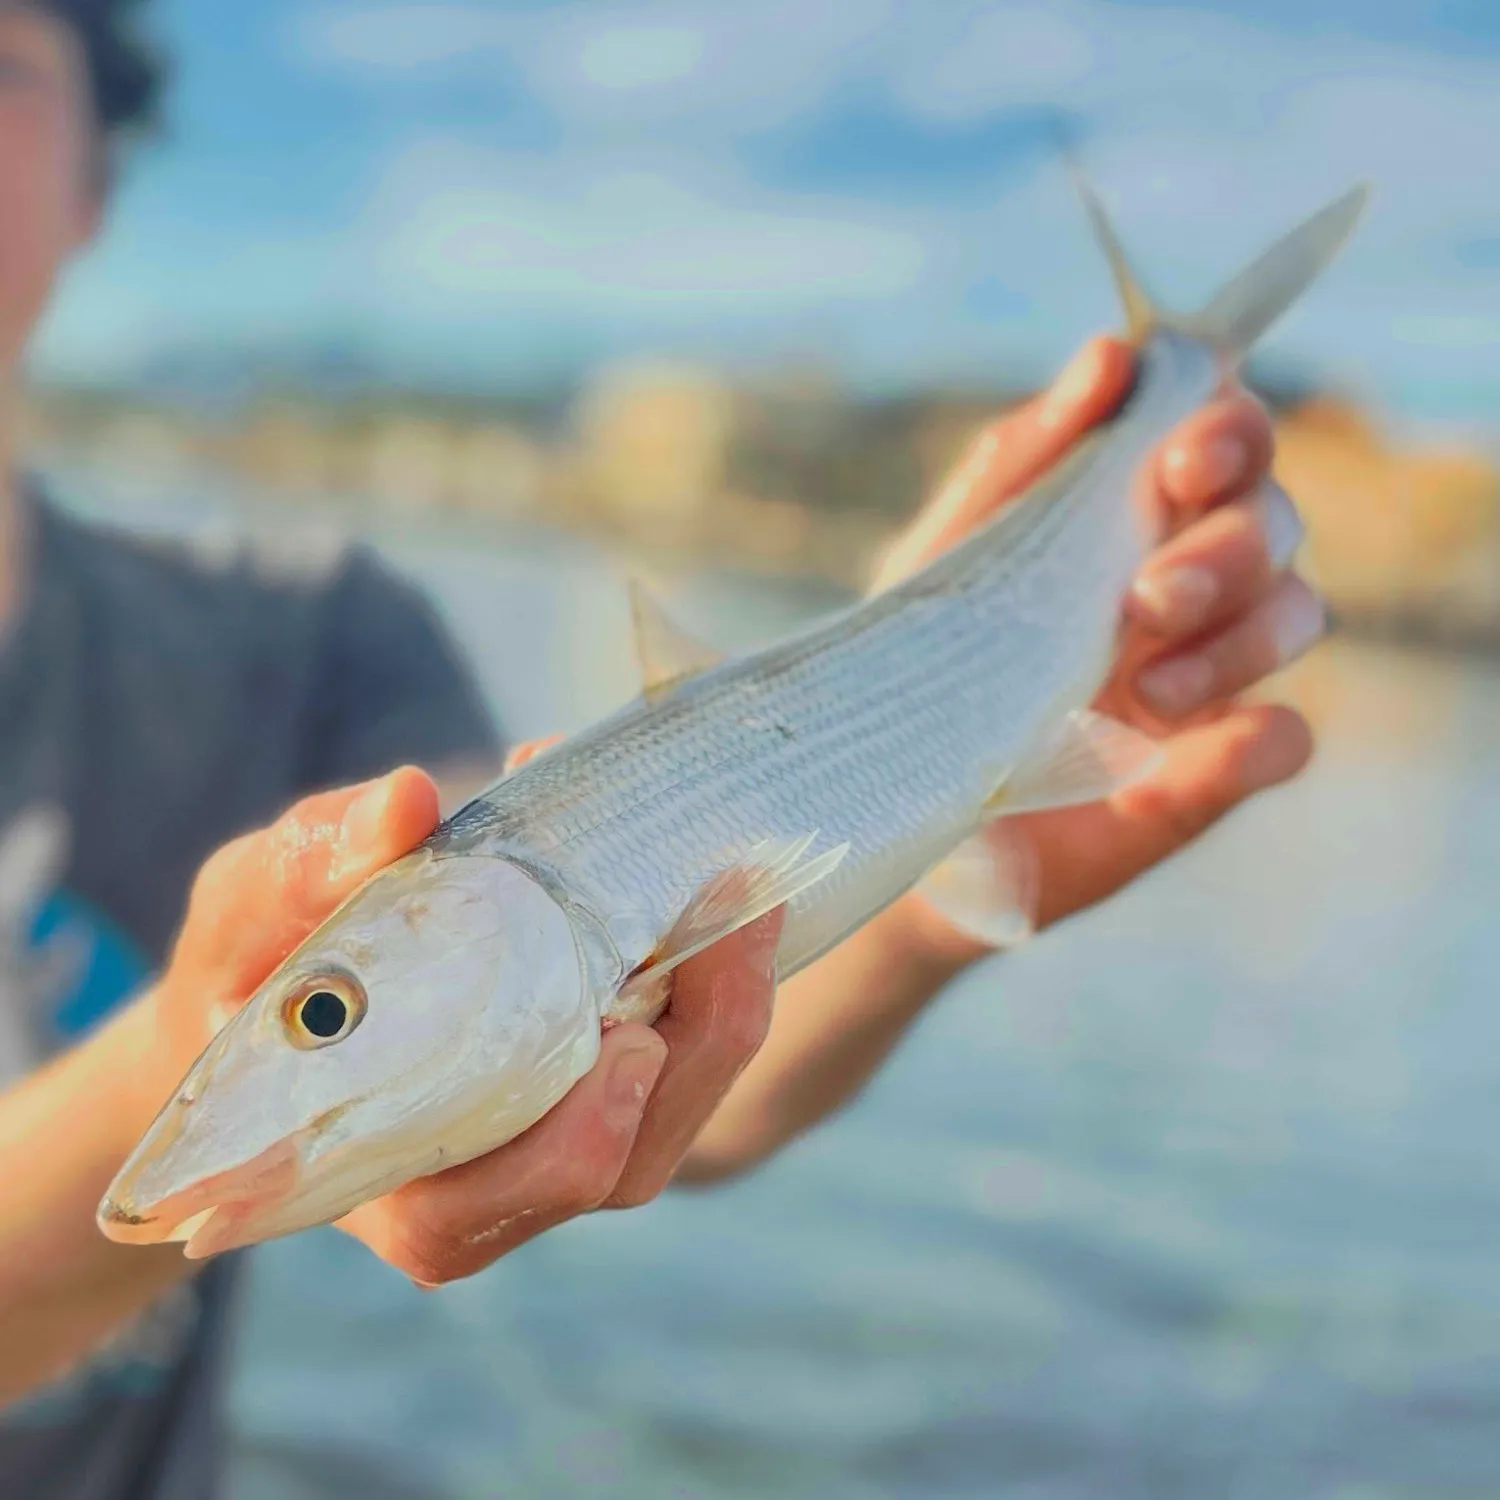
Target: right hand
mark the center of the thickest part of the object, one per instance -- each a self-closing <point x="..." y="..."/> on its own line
<point x="615" y="1141"/>
<point x="1246" y="617"/>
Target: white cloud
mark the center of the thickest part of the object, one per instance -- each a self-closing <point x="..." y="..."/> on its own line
<point x="1210" y="126"/>
<point x="1449" y="333"/>
<point x="467" y="225"/>
<point x="1210" y="134"/>
<point x="1003" y="57"/>
<point x="640" y="57"/>
<point x="632" y="67"/>
<point x="386" y="39"/>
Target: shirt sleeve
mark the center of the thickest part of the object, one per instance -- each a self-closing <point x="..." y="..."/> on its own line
<point x="391" y="686"/>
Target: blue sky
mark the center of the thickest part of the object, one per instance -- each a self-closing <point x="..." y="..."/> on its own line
<point x="499" y="193"/>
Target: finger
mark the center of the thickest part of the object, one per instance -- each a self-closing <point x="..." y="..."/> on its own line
<point x="529" y="751"/>
<point x="261" y="895"/>
<point x="719" y="1016"/>
<point x="1277" y="631"/>
<point x="1216" y="568"/>
<point x="1088" y="853"/>
<point x="1281" y="522"/>
<point x="448" y="1226"/>
<point x="1013" y="452"/>
<point x="1218" y="453"/>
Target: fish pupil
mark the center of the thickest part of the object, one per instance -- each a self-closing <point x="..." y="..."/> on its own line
<point x="324" y="1014"/>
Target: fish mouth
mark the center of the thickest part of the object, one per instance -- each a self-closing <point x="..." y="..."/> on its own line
<point x="208" y="1216"/>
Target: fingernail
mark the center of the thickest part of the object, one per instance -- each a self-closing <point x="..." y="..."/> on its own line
<point x="631" y="1076"/>
<point x="1202" y="472"/>
<point x="1177" y="598"/>
<point x="1269" y="761"/>
<point x="365" y="816"/>
<point x="1178" y="686"/>
<point x="1297" y="622"/>
<point x="1079" y="376"/>
<point x="1280" y="523"/>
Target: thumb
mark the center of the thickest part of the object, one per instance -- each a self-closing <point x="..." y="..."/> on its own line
<point x="1014" y="452"/>
<point x="260" y="896"/>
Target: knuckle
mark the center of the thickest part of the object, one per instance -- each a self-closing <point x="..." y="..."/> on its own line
<point x="426" y="1242"/>
<point x="1183" y="820"/>
<point x="588" y="1175"/>
<point x="220" y="865"/>
<point x="636" y="1190"/>
<point x="427" y="1253"/>
<point x="1244" y="405"/>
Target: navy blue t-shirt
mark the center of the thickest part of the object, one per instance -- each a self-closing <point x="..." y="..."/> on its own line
<point x="153" y="704"/>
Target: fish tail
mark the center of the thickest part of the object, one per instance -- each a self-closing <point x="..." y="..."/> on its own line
<point x="1246" y="306"/>
<point x="1141" y="312"/>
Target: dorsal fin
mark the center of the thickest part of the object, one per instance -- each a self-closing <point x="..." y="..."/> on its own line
<point x="668" y="654"/>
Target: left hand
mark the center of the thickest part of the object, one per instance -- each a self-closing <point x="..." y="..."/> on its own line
<point x="1213" y="611"/>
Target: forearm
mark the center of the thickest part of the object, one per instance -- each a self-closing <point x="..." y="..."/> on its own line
<point x="834" y="1025"/>
<point x="63" y="1133"/>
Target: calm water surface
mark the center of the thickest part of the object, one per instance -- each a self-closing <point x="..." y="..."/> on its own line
<point x="1195" y="1198"/>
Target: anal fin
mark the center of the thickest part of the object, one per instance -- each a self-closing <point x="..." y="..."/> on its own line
<point x="770" y="875"/>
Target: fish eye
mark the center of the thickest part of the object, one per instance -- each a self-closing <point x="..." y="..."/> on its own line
<point x="323" y="1010"/>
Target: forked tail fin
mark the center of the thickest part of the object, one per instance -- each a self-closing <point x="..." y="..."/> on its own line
<point x="1246" y="306"/>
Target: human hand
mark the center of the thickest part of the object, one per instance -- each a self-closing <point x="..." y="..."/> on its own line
<point x="1214" y="610"/>
<point x="614" y="1141"/>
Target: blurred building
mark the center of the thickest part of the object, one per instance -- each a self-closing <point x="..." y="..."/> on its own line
<point x="786" y="471"/>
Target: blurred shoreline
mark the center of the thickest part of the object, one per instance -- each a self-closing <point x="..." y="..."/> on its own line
<point x="786" y="475"/>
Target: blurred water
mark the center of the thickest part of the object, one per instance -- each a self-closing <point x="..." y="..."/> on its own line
<point x="1192" y="1198"/>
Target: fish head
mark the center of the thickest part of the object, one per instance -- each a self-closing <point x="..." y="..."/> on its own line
<point x="437" y="1014"/>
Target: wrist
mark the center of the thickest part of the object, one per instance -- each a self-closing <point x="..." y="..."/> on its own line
<point x="925" y="942"/>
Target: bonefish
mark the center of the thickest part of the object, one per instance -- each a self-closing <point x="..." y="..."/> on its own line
<point x="459" y="994"/>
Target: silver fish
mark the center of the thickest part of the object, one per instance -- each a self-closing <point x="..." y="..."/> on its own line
<point x="460" y="994"/>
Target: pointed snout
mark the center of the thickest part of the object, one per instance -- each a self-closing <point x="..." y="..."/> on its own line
<point x="166" y="1186"/>
<point x="125" y="1227"/>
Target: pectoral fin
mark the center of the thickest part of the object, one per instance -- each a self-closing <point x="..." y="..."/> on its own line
<point x="990" y="886"/>
<point x="668" y="654"/>
<point x="769" y="876"/>
<point x="1087" y="758"/>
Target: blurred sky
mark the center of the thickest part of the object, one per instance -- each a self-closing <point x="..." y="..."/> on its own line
<point x="501" y="193"/>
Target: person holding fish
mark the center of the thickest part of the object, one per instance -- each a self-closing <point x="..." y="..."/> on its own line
<point x="324" y="692"/>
